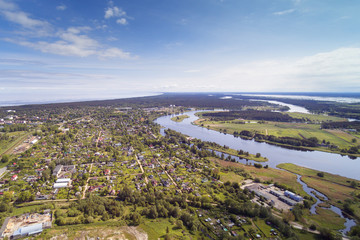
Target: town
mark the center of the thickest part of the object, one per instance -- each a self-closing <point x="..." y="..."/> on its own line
<point x="113" y="165"/>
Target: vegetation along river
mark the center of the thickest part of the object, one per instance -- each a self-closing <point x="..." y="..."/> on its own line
<point x="322" y="161"/>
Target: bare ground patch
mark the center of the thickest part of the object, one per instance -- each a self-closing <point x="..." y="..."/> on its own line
<point x="95" y="233"/>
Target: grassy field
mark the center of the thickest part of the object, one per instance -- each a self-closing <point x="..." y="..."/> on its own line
<point x="315" y="117"/>
<point x="156" y="229"/>
<point x="179" y="118"/>
<point x="269" y="174"/>
<point x="15" y="138"/>
<point x="327" y="219"/>
<point x="335" y="187"/>
<point x="105" y="230"/>
<point x="281" y="129"/>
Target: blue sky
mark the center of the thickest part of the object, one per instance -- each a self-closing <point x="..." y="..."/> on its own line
<point x="94" y="49"/>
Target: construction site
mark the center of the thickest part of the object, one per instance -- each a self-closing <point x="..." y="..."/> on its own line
<point x="26" y="224"/>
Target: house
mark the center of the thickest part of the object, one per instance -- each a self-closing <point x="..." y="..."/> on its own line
<point x="107" y="172"/>
<point x="14" y="177"/>
<point x="57" y="170"/>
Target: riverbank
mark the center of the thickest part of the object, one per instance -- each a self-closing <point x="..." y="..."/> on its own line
<point x="324" y="218"/>
<point x="233" y="152"/>
<point x="341" y="191"/>
<point x="234" y="171"/>
<point x="326" y="140"/>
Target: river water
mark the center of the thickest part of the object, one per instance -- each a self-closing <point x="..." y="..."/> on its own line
<point x="321" y="161"/>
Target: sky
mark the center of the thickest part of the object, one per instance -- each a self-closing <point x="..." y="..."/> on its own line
<point x="57" y="50"/>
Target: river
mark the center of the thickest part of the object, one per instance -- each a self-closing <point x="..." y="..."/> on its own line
<point x="292" y="108"/>
<point x="321" y="161"/>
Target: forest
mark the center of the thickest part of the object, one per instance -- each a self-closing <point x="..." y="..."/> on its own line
<point x="250" y="115"/>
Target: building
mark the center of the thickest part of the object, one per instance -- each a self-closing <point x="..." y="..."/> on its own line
<point x="293" y="196"/>
<point x="288" y="201"/>
<point x="27" y="231"/>
<point x="62" y="183"/>
<point x="57" y="170"/>
<point x="275" y="193"/>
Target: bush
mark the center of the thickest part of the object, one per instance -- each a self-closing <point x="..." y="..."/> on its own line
<point x="257" y="165"/>
<point x="312" y="227"/>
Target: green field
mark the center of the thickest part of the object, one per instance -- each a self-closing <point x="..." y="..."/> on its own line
<point x="315" y="117"/>
<point x="337" y="188"/>
<point x="282" y="129"/>
<point x="14" y="139"/>
<point x="156" y="229"/>
<point x="264" y="174"/>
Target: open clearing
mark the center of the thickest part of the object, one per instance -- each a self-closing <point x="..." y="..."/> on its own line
<point x="93" y="233"/>
<point x="283" y="129"/>
<point x="335" y="187"/>
<point x="15" y="138"/>
<point x="264" y="174"/>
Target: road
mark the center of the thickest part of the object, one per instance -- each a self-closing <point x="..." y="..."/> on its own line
<point x="87" y="181"/>
<point x="142" y="170"/>
<point x="175" y="184"/>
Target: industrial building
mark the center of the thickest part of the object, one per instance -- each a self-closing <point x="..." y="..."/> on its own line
<point x="62" y="183"/>
<point x="288" y="201"/>
<point x="26" y="225"/>
<point x="293" y="196"/>
<point x="28" y="231"/>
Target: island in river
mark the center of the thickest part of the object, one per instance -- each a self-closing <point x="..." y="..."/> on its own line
<point x="292" y="130"/>
<point x="179" y="118"/>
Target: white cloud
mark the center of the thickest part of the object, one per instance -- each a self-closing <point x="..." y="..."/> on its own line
<point x="329" y="71"/>
<point x="70" y="42"/>
<point x="122" y="21"/>
<point x="5" y="5"/>
<point x="10" y="12"/>
<point x="61" y="7"/>
<point x="284" y="12"/>
<point x="73" y="42"/>
<point x="115" y="53"/>
<point x="114" y="12"/>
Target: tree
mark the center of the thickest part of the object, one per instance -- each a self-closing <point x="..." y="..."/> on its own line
<point x="4" y="207"/>
<point x="179" y="224"/>
<point x="153" y="212"/>
<point x="353" y="184"/>
<point x="25" y="196"/>
<point x="4" y="158"/>
<point x="135" y="219"/>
